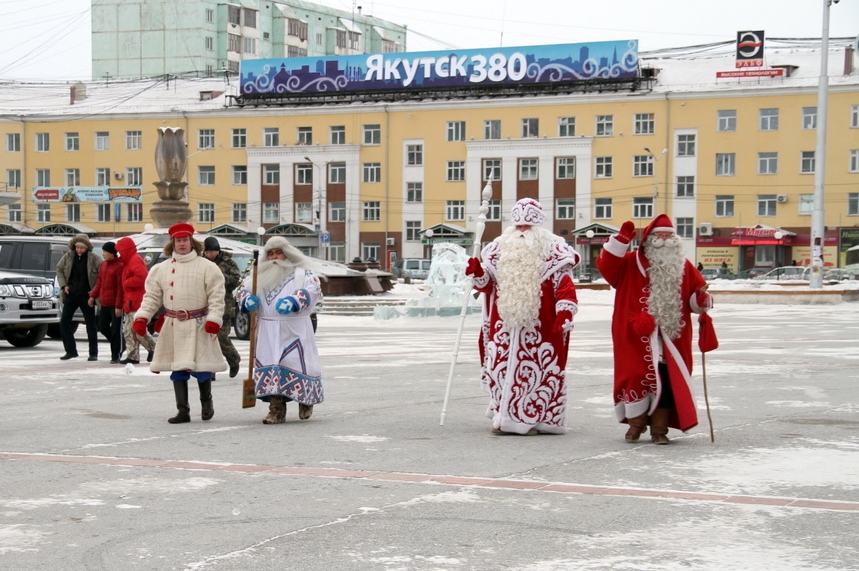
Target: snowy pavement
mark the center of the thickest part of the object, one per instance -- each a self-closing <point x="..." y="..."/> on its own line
<point x="93" y="477"/>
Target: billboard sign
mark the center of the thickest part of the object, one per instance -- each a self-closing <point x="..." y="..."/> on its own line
<point x="750" y="49"/>
<point x="87" y="194"/>
<point x="440" y="69"/>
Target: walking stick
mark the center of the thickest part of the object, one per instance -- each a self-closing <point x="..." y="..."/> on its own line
<point x="249" y="399"/>
<point x="707" y="341"/>
<point x="706" y="397"/>
<point x="475" y="251"/>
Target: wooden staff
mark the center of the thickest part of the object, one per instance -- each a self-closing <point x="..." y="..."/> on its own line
<point x="475" y="251"/>
<point x="249" y="399"/>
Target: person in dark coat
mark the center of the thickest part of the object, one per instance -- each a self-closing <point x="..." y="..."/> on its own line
<point x="106" y="292"/>
<point x="77" y="273"/>
<point x="232" y="279"/>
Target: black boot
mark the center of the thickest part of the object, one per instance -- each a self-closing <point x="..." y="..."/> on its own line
<point x="206" y="400"/>
<point x="184" y="414"/>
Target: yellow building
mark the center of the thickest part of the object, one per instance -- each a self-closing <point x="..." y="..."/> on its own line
<point x="730" y="160"/>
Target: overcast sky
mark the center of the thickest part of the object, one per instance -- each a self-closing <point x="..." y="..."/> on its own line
<point x="50" y="39"/>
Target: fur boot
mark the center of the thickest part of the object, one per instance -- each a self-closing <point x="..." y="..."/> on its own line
<point x="305" y="411"/>
<point x="637" y="427"/>
<point x="276" y="410"/>
<point x="206" y="400"/>
<point x="659" y="426"/>
<point x="180" y="388"/>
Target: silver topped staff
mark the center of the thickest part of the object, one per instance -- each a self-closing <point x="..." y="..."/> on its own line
<point x="475" y="252"/>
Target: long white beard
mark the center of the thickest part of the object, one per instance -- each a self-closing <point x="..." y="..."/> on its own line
<point x="667" y="262"/>
<point x="273" y="273"/>
<point x="520" y="269"/>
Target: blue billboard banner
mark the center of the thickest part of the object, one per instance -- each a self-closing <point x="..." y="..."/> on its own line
<point x="440" y="69"/>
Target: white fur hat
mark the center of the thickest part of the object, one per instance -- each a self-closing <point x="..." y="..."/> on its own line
<point x="527" y="212"/>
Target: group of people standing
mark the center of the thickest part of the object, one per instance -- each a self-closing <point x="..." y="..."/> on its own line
<point x="529" y="310"/>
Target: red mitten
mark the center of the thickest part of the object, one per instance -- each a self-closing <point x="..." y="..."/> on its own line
<point x="627" y="232"/>
<point x="212" y="327"/>
<point x="643" y="324"/>
<point x="704" y="300"/>
<point x="139" y="327"/>
<point x="474" y="268"/>
<point x="563" y="322"/>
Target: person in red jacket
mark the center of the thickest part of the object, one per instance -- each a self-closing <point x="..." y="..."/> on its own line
<point x="134" y="275"/>
<point x="106" y="292"/>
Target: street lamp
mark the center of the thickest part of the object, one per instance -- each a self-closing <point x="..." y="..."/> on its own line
<point x="318" y="193"/>
<point x="260" y="234"/>
<point x="656" y="181"/>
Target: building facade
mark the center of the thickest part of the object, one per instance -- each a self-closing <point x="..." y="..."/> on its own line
<point x="732" y="162"/>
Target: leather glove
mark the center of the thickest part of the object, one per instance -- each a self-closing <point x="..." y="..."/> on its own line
<point x="563" y="322"/>
<point x="212" y="327"/>
<point x="139" y="327"/>
<point x="627" y="232"/>
<point x="474" y="268"/>
<point x="285" y="306"/>
<point x="251" y="303"/>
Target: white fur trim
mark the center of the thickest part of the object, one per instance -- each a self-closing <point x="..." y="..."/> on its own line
<point x="663" y="229"/>
<point x="615" y="247"/>
<point x="566" y="305"/>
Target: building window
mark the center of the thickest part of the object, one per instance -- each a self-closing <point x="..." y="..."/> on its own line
<point x="206" y="176"/>
<point x="413" y="230"/>
<point x="492" y="129"/>
<point x="13" y="178"/>
<point x="134" y="176"/>
<point x="318" y="39"/>
<point x="605" y="125"/>
<point x="43" y="142"/>
<point x="271" y="212"/>
<point x="43" y="213"/>
<point x="271" y="174"/>
<point x="297" y="28"/>
<point x="645" y="124"/>
<point x="566" y="126"/>
<point x="13" y="142"/>
<point x="414" y="155"/>
<point x="371" y="211"/>
<point x="370" y="251"/>
<point x="271" y="136"/>
<point x="642" y="165"/>
<point x="766" y="204"/>
<point x="240" y="212"/>
<point x="133" y="140"/>
<point x="566" y="167"/>
<point x="725" y="164"/>
<point x="13" y="213"/>
<point x="73" y="177"/>
<point x="372" y="172"/>
<point x="806" y="204"/>
<point x="337" y="173"/>
<point x="305" y="135"/>
<point x="303" y="173"/>
<point x="854" y="161"/>
<point x="727" y="120"/>
<point x="102" y="212"/>
<point x="686" y="145"/>
<point x="414" y="192"/>
<point x="456" y="130"/>
<point x="73" y="142"/>
<point x="102" y="177"/>
<point x="250" y="46"/>
<point x="210" y="16"/>
<point x="372" y="134"/>
<point x="337" y="211"/>
<point x="530" y="128"/>
<point x="528" y="169"/>
<point x="854" y="117"/>
<point x="853" y="203"/>
<point x="807" y="162"/>
<point x="767" y="163"/>
<point x="240" y="138"/>
<point x="454" y="210"/>
<point x="233" y="15"/>
<point x="73" y="212"/>
<point x="565" y="209"/>
<point x="642" y="207"/>
<point x="206" y="212"/>
<point x="768" y="120"/>
<point x="685" y="227"/>
<point x="685" y="186"/>
<point x="809" y="117"/>
<point x="240" y="174"/>
<point x="43" y="177"/>
<point x="206" y="139"/>
<point x="338" y="135"/>
<point x="209" y="43"/>
<point x="494" y="212"/>
<point x="491" y="169"/>
<point x="602" y="208"/>
<point x="602" y="167"/>
<point x="134" y="212"/>
<point x="102" y="141"/>
<point x="304" y="212"/>
<point x="724" y="205"/>
<point x="455" y="171"/>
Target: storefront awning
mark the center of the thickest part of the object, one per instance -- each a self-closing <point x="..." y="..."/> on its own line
<point x="761" y="235"/>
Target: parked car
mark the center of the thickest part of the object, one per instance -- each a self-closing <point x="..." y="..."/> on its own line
<point x="796" y="273"/>
<point x="718" y="274"/>
<point x="840" y="275"/>
<point x="412" y="268"/>
<point x="28" y="305"/>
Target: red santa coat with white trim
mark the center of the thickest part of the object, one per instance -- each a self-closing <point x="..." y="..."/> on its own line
<point x="637" y="382"/>
<point x="523" y="369"/>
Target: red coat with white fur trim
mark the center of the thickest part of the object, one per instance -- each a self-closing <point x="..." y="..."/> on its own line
<point x="637" y="383"/>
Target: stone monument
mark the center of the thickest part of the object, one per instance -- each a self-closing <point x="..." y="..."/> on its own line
<point x="170" y="160"/>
